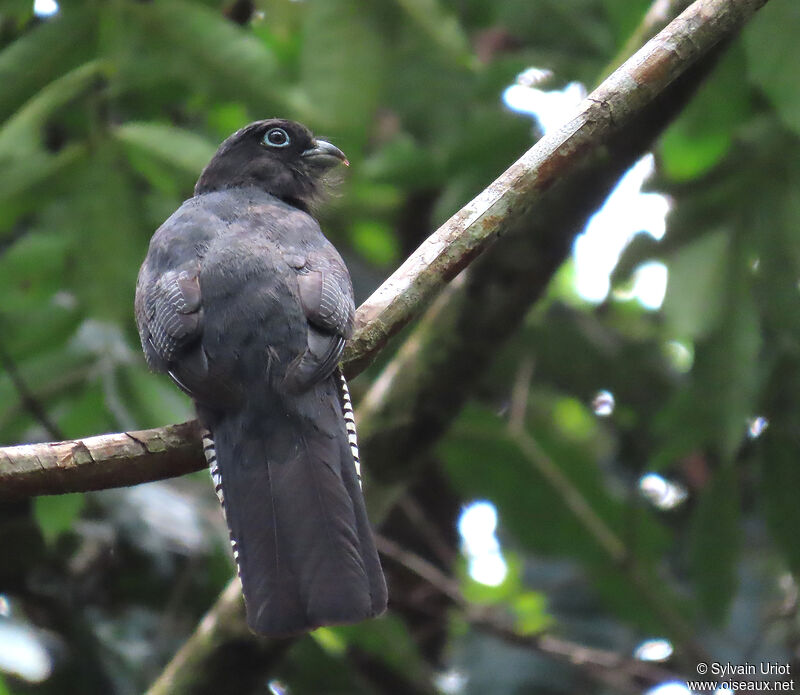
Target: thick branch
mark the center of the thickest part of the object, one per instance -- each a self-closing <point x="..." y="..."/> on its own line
<point x="96" y="463"/>
<point x="512" y="196"/>
<point x="509" y="202"/>
<point x="416" y="398"/>
<point x="660" y="13"/>
<point x="456" y="341"/>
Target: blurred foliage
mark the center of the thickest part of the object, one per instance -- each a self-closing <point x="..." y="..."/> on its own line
<point x="108" y="111"/>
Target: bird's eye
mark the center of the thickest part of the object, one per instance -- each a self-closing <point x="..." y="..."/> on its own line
<point x="276" y="137"/>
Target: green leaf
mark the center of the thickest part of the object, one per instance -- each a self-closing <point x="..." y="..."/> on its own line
<point x="32" y="269"/>
<point x="20" y="181"/>
<point x="696" y="287"/>
<point x="440" y="25"/>
<point x="625" y="15"/>
<point x="686" y="155"/>
<point x="338" y="41"/>
<point x="529" y="608"/>
<point x="530" y="613"/>
<point x="182" y="148"/>
<point x="18" y="12"/>
<point x="20" y="135"/>
<point x="733" y="371"/>
<point x="772" y="52"/>
<point x="196" y="46"/>
<point x="485" y="594"/>
<point x="153" y="398"/>
<point x="55" y="514"/>
<point x="574" y="419"/>
<point x="329" y="640"/>
<point x="780" y="481"/>
<point x="90" y="409"/>
<point x="40" y="325"/>
<point x="404" y="162"/>
<point x="49" y="373"/>
<point x="712" y="411"/>
<point x="227" y="117"/>
<point x="704" y="131"/>
<point x="483" y="462"/>
<point x="42" y="55"/>
<point x="714" y="543"/>
<point x="375" y="242"/>
<point x="101" y="218"/>
<point x="388" y="639"/>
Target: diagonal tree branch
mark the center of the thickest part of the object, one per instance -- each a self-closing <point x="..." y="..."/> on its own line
<point x="509" y="199"/>
<point x="506" y="204"/>
<point x="554" y="221"/>
<point x="422" y="390"/>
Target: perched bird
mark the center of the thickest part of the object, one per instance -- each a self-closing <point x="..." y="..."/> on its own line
<point x="247" y="306"/>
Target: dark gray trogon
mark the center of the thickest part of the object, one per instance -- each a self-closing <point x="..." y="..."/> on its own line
<point x="246" y="305"/>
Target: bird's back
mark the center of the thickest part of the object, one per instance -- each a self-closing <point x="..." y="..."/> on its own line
<point x="247" y="306"/>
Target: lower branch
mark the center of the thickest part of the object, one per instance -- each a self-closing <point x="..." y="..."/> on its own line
<point x="602" y="665"/>
<point x="612" y="546"/>
<point x="222" y="656"/>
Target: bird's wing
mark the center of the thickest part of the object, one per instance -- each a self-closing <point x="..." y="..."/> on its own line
<point x="170" y="318"/>
<point x="326" y="297"/>
<point x="170" y="315"/>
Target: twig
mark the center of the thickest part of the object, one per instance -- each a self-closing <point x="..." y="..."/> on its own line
<point x="96" y="463"/>
<point x="427" y="529"/>
<point x="26" y="397"/>
<point x="569" y="495"/>
<point x="603" y="665"/>
<point x="608" y="541"/>
<point x="519" y="394"/>
<point x="583" y="512"/>
<point x="421" y="567"/>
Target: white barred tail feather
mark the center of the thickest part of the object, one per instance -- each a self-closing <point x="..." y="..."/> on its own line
<point x="210" y="452"/>
<point x="350" y="423"/>
<point x="295" y="511"/>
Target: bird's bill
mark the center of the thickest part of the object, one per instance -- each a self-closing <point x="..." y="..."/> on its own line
<point x="325" y="154"/>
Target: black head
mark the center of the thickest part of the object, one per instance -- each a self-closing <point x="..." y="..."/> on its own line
<point x="278" y="156"/>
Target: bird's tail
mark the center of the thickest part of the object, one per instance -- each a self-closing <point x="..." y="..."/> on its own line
<point x="287" y="477"/>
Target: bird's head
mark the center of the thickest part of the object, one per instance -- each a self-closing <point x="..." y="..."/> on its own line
<point x="278" y="156"/>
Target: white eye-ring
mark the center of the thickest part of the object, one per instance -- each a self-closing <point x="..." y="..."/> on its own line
<point x="277" y="137"/>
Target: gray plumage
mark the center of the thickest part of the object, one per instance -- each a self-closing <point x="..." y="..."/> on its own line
<point x="247" y="306"/>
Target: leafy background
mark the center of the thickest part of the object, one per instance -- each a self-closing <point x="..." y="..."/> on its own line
<point x="108" y="111"/>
